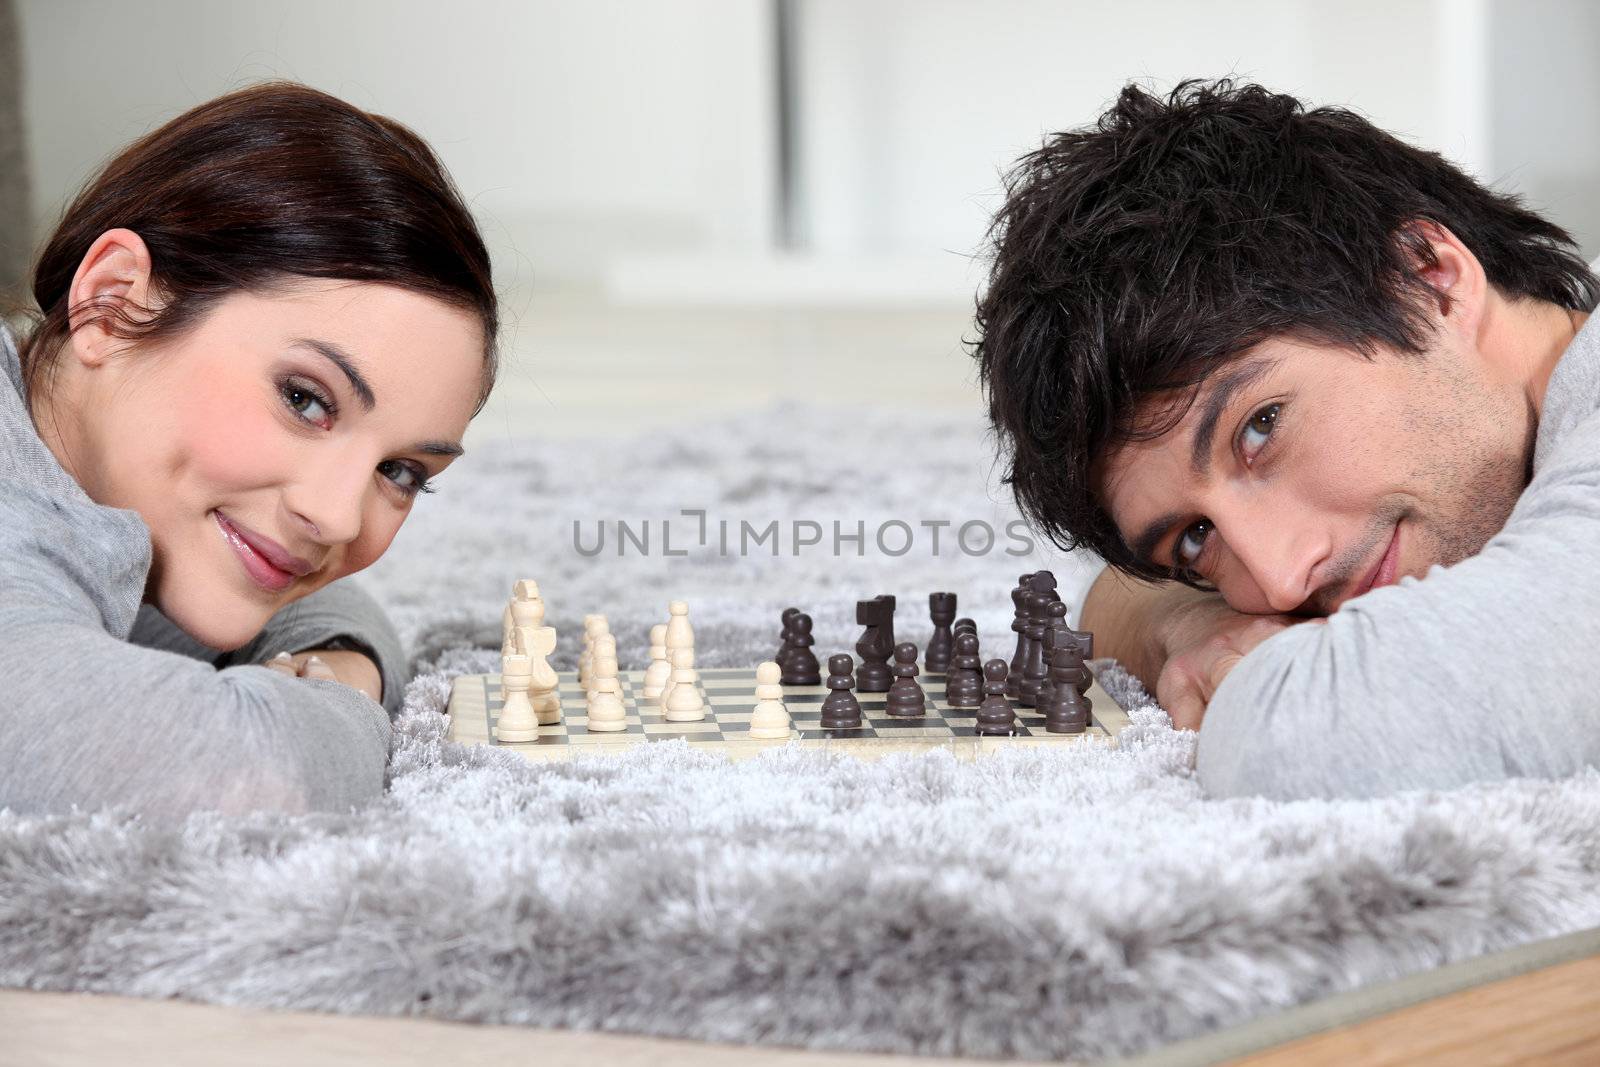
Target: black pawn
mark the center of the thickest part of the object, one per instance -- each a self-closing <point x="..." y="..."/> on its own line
<point x="965" y="626"/>
<point x="786" y="640"/>
<point x="1067" y="710"/>
<point x="995" y="716"/>
<point x="840" y="709"/>
<point x="964" y="685"/>
<point x="906" y="698"/>
<point x="942" y="609"/>
<point x="800" y="666"/>
<point x="876" y="644"/>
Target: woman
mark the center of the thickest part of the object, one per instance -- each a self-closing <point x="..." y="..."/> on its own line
<point x="261" y="331"/>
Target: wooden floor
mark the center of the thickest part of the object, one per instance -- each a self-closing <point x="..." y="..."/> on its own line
<point x="1549" y="1016"/>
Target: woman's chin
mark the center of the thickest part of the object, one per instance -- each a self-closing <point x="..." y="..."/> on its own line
<point x="200" y="618"/>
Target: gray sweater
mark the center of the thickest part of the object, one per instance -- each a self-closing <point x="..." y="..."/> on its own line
<point x="107" y="703"/>
<point x="1484" y="670"/>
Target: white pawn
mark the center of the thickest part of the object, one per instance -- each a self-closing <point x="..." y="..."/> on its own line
<point x="679" y="633"/>
<point x="770" y="719"/>
<point x="594" y="627"/>
<point x="606" y="711"/>
<point x="517" y="720"/>
<point x="683" y="702"/>
<point x="659" y="673"/>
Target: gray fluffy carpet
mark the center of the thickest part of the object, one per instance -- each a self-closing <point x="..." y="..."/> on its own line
<point x="1076" y="902"/>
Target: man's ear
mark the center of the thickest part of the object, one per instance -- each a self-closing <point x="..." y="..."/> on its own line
<point x="1451" y="271"/>
<point x="112" y="285"/>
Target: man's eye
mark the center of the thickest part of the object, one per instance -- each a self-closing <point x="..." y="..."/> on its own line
<point x="1262" y="423"/>
<point x="1191" y="543"/>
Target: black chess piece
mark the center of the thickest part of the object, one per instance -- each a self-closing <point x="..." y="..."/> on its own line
<point x="840" y="708"/>
<point x="906" y="698"/>
<point x="1033" y="669"/>
<point x="942" y="609"/>
<point x="1055" y="615"/>
<point x="786" y="641"/>
<point x="965" y="625"/>
<point x="1067" y="709"/>
<point x="995" y="717"/>
<point x="801" y="667"/>
<point x="876" y="644"/>
<point x="964" y="685"/>
<point x="1019" y="619"/>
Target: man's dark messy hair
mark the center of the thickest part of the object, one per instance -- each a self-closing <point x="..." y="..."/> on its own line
<point x="1139" y="256"/>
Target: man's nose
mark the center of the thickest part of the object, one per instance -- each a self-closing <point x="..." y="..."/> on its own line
<point x="1280" y="551"/>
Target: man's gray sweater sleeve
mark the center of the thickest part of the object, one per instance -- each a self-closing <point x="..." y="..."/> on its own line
<point x="1479" y="671"/>
<point x="94" y="721"/>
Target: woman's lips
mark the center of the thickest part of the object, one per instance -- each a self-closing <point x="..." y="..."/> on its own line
<point x="261" y="570"/>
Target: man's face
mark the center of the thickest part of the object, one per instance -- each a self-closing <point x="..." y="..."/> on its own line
<point x="1304" y="475"/>
<point x="262" y="469"/>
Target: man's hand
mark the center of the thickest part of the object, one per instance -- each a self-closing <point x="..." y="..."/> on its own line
<point x="334" y="665"/>
<point x="1203" y="641"/>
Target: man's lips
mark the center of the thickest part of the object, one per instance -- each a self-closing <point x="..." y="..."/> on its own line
<point x="1383" y="572"/>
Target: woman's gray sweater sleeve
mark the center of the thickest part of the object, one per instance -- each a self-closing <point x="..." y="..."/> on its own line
<point x="91" y="720"/>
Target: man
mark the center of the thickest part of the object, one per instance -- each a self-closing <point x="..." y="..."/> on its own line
<point x="1330" y="412"/>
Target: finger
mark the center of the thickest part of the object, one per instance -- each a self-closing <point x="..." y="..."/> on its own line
<point x="1179" y="694"/>
<point x="316" y="667"/>
<point x="283" y="663"/>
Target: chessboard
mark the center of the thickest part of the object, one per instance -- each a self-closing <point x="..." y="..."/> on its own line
<point x="729" y="693"/>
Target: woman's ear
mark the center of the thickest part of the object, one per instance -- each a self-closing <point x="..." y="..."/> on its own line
<point x="112" y="285"/>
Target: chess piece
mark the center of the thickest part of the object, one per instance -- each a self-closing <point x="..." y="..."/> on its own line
<point x="1019" y="617"/>
<point x="593" y="627"/>
<point x="659" y="672"/>
<point x="840" y="708"/>
<point x="1033" y="670"/>
<point x="770" y="719"/>
<point x="876" y="644"/>
<point x="964" y="684"/>
<point x="801" y="667"/>
<point x="942" y="609"/>
<point x="606" y="711"/>
<point x="1055" y="615"/>
<point x="964" y="625"/>
<point x="906" y="698"/>
<point x="683" y="702"/>
<point x="517" y="721"/>
<point x="995" y="717"/>
<point x="786" y="639"/>
<point x="679" y="633"/>
<point x="1067" y="709"/>
<point x="526" y="592"/>
<point x="544" y="689"/>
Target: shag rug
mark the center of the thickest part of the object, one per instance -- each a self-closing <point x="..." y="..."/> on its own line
<point x="1074" y="902"/>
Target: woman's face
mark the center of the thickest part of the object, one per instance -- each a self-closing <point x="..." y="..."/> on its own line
<point x="279" y="444"/>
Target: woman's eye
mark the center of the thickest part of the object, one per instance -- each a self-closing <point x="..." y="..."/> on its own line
<point x="1191" y="543"/>
<point x="408" y="478"/>
<point x="306" y="402"/>
<point x="1262" y="423"/>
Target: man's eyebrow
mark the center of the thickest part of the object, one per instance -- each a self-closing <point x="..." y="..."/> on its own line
<point x="1216" y="403"/>
<point x="1144" y="546"/>
<point x="346" y="363"/>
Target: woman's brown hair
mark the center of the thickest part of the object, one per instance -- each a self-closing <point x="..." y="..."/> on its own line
<point x="257" y="186"/>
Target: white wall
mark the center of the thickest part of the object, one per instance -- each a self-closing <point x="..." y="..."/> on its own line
<point x="573" y="128"/>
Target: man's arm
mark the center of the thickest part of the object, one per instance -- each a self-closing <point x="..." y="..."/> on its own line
<point x="1126" y="616"/>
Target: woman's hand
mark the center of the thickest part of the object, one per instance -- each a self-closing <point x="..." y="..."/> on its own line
<point x="333" y="665"/>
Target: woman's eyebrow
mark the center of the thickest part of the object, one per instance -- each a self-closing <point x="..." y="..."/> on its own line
<point x="346" y="363"/>
<point x="1221" y="393"/>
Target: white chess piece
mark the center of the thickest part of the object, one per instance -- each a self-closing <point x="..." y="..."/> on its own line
<point x="770" y="720"/>
<point x="606" y="711"/>
<point x="524" y="590"/>
<point x="593" y="627"/>
<point x="517" y="719"/>
<point x="679" y="632"/>
<point x="683" y="702"/>
<point x="659" y="673"/>
<point x="544" y="691"/>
